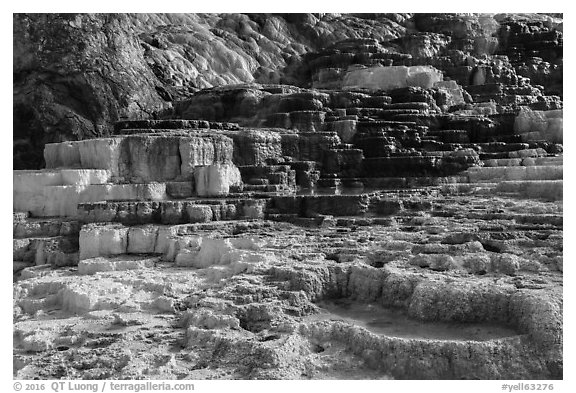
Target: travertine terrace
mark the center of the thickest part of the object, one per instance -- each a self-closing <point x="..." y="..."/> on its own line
<point x="381" y="206"/>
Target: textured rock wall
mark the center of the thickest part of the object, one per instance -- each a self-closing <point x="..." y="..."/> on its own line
<point x="216" y="180"/>
<point x="143" y="158"/>
<point x="254" y="147"/>
<point x="393" y="77"/>
<point x="540" y="125"/>
<point x="75" y="74"/>
<point x="58" y="193"/>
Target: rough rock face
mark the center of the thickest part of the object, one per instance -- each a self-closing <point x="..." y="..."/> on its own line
<point x="59" y="95"/>
<point x="143" y="157"/>
<point x="136" y="167"/>
<point x="366" y="196"/>
<point x="216" y="180"/>
<point x="75" y="74"/>
<point x="393" y="77"/>
<point x="316" y="288"/>
<point x="255" y="147"/>
<point x="540" y="125"/>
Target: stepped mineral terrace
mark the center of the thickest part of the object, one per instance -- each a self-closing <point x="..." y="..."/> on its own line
<point x="397" y="217"/>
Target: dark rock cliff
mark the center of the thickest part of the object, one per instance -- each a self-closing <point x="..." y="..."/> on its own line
<point x="73" y="74"/>
<point x="76" y="74"/>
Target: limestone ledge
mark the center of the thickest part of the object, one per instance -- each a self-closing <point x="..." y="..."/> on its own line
<point x="393" y="77"/>
<point x="34" y="180"/>
<point x="44" y="227"/>
<point x="53" y="192"/>
<point x="188" y="250"/>
<point x="142" y="158"/>
<point x="99" y="264"/>
<point x="497" y="173"/>
<point x="54" y="251"/>
<point x="63" y="200"/>
<point x="552" y="190"/>
<point x="172" y="211"/>
<point x="539" y="125"/>
<point x="527" y="161"/>
<point x="216" y="180"/>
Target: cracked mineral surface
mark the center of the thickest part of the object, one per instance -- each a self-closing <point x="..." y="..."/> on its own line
<point x="327" y="196"/>
<point x="423" y="295"/>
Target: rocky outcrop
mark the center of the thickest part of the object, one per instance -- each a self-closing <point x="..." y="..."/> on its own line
<point x="171" y="211"/>
<point x="379" y="193"/>
<point x="136" y="167"/>
<point x="216" y="180"/>
<point x="143" y="158"/>
<point x="269" y="289"/>
<point x="168" y="62"/>
<point x="139" y="63"/>
<point x="393" y="77"/>
<point x="74" y="75"/>
<point x="539" y="125"/>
